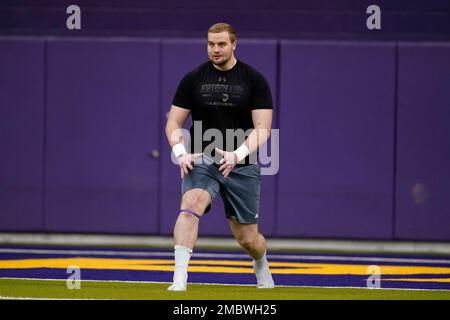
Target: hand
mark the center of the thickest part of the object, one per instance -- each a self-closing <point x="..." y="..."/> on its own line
<point x="185" y="160"/>
<point x="228" y="162"/>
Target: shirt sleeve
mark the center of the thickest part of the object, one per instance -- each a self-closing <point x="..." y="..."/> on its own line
<point x="184" y="96"/>
<point x="262" y="97"/>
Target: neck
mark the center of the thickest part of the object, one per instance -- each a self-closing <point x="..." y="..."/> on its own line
<point x="227" y="66"/>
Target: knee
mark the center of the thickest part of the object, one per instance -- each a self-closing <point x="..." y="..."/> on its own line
<point x="191" y="203"/>
<point x="194" y="202"/>
<point x="247" y="241"/>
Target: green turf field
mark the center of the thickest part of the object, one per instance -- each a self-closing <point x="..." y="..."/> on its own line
<point x="11" y="288"/>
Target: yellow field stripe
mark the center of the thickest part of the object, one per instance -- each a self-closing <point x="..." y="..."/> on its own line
<point x="219" y="266"/>
<point x="443" y="280"/>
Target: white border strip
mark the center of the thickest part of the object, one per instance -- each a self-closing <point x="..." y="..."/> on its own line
<point x="272" y="243"/>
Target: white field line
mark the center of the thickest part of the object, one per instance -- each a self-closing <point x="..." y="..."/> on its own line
<point x="228" y="284"/>
<point x="34" y="298"/>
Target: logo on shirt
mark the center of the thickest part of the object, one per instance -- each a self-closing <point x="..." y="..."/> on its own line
<point x="222" y="79"/>
<point x="225" y="97"/>
<point x="221" y="94"/>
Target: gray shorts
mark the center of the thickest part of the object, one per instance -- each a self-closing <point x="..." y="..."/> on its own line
<point x="239" y="191"/>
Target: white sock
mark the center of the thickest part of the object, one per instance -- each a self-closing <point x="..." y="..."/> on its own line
<point x="182" y="257"/>
<point x="261" y="262"/>
<point x="264" y="278"/>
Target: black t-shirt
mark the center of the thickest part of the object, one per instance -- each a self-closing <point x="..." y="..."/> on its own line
<point x="222" y="100"/>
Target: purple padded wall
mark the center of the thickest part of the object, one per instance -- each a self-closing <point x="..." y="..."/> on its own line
<point x="336" y="123"/>
<point x="423" y="147"/>
<point x="102" y="125"/>
<point x="21" y="133"/>
<point x="344" y="19"/>
<point x="261" y="55"/>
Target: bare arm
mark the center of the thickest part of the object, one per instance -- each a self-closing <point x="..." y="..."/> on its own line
<point x="177" y="118"/>
<point x="262" y="123"/>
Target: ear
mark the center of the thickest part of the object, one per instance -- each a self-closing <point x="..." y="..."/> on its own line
<point x="234" y="45"/>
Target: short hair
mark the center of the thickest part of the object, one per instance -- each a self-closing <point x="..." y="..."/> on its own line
<point x="222" y="26"/>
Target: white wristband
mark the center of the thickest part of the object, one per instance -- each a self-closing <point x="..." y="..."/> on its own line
<point x="179" y="150"/>
<point x="242" y="152"/>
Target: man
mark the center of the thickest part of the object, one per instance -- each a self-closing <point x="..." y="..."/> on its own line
<point x="223" y="93"/>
